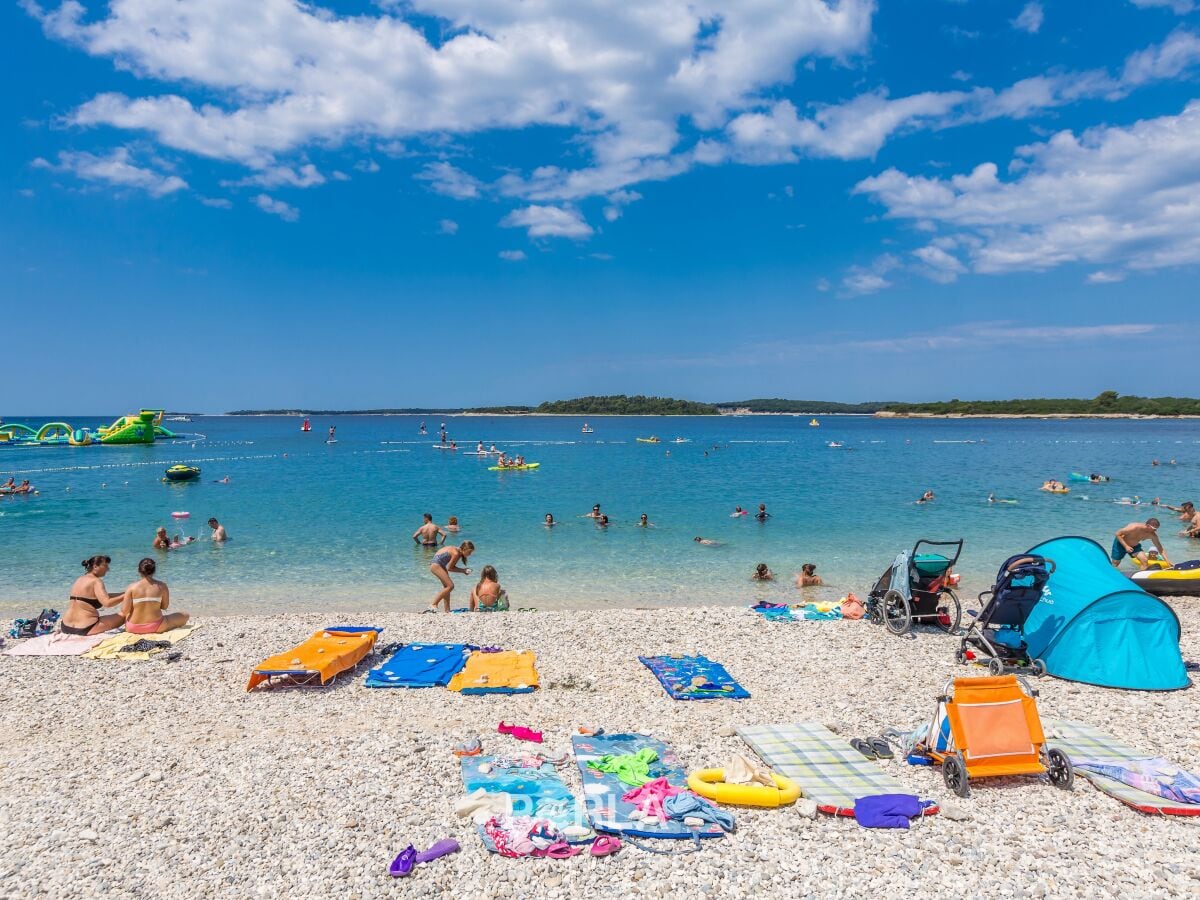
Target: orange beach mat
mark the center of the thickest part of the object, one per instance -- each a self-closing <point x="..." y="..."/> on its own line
<point x="323" y="656"/>
<point x="506" y="672"/>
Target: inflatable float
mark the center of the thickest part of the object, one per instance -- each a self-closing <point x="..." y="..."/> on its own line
<point x="710" y="783"/>
<point x="182" y="473"/>
<point x="513" y="468"/>
<point x="1061" y="490"/>
<point x="649" y="440"/>
<point x="1172" y="581"/>
<point x="1099" y="479"/>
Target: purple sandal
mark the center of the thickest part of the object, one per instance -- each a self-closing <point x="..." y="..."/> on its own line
<point x="403" y="864"/>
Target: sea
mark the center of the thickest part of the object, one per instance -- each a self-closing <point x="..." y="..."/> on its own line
<point x="318" y="526"/>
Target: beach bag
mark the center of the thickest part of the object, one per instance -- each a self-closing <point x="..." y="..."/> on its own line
<point x="852" y="608"/>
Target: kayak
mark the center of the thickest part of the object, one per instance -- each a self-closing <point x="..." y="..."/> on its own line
<point x="1183" y="578"/>
<point x="1075" y="476"/>
<point x="649" y="440"/>
<point x="513" y="468"/>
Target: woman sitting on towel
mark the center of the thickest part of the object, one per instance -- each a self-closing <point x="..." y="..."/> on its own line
<point x="88" y="595"/>
<point x="488" y="595"/>
<point x="446" y="561"/>
<point x="144" y="604"/>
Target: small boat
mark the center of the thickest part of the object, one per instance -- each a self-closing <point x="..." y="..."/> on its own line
<point x="682" y="441"/>
<point x="182" y="473"/>
<point x="649" y="440"/>
<point x="513" y="468"/>
<point x="585" y="429"/>
<point x="836" y="445"/>
<point x="813" y="423"/>
<point x="179" y="418"/>
<point x="306" y="425"/>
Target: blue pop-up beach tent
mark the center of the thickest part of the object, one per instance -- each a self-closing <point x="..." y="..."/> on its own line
<point x="1093" y="624"/>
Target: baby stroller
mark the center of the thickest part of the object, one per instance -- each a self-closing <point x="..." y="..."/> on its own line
<point x="916" y="588"/>
<point x="986" y="727"/>
<point x="998" y="631"/>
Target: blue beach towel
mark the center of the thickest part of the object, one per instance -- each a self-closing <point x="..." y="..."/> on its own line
<point x="602" y="791"/>
<point x="694" y="678"/>
<point x="773" y="612"/>
<point x="420" y="665"/>
<point x="537" y="792"/>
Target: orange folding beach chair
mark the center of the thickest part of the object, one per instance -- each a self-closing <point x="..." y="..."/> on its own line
<point x="987" y="727"/>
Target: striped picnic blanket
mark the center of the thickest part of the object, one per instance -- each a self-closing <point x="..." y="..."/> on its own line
<point x="1082" y="741"/>
<point x="829" y="771"/>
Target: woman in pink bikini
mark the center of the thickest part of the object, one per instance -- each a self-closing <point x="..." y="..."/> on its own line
<point x="145" y="602"/>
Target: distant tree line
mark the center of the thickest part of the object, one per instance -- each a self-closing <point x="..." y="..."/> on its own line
<point x="777" y="405"/>
<point x="1107" y="403"/>
<point x="621" y="405"/>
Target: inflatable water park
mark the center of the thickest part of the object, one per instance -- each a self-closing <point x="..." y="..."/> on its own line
<point x="143" y="427"/>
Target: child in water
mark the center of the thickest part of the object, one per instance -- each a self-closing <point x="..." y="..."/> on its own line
<point x="762" y="573"/>
<point x="487" y="594"/>
<point x="808" y="576"/>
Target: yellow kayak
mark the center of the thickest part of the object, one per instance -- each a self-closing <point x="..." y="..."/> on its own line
<point x="513" y="468"/>
<point x="649" y="440"/>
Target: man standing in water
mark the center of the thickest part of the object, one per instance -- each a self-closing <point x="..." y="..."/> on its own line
<point x="1128" y="542"/>
<point x="429" y="534"/>
<point x="218" y="531"/>
<point x="762" y="515"/>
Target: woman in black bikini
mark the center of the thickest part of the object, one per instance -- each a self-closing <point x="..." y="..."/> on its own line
<point x="88" y="595"/>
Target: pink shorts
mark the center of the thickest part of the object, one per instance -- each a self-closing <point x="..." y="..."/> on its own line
<point x="144" y="628"/>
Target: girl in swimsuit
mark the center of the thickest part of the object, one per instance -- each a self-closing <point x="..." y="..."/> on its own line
<point x="447" y="561"/>
<point x="88" y="595"/>
<point x="488" y="593"/>
<point x="144" y="604"/>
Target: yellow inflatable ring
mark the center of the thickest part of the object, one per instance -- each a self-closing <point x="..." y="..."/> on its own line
<point x="710" y="783"/>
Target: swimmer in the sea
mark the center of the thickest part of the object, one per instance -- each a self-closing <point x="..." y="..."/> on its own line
<point x="738" y="511"/>
<point x="602" y="521"/>
<point x="429" y="534"/>
<point x="808" y="576"/>
<point x="705" y="541"/>
<point x="762" y="515"/>
<point x="595" y="513"/>
<point x="927" y="497"/>
<point x="549" y="523"/>
<point x="762" y="573"/>
<point x="644" y="522"/>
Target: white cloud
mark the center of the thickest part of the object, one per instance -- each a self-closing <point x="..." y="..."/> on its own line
<point x="617" y="201"/>
<point x="26" y="192"/>
<point x="869" y="280"/>
<point x="117" y="168"/>
<point x="282" y="176"/>
<point x="960" y="75"/>
<point x="367" y="165"/>
<point x="217" y="202"/>
<point x="1030" y="18"/>
<point x="453" y="182"/>
<point x="938" y="264"/>
<point x="1179" y="7"/>
<point x="1103" y="277"/>
<point x="1128" y="196"/>
<point x="277" y="208"/>
<point x="970" y="335"/>
<point x="512" y="255"/>
<point x="447" y="226"/>
<point x="548" y="221"/>
<point x="294" y="74"/>
<point x="1178" y="53"/>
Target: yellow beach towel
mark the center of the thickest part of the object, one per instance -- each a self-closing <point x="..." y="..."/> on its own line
<point x="506" y="672"/>
<point x="113" y="647"/>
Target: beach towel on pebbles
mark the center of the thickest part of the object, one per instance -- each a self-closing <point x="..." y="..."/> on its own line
<point x="694" y="678"/>
<point x="56" y="644"/>
<point x="122" y="646"/>
<point x="502" y="672"/>
<point x="419" y="666"/>
<point x="534" y="791"/>
<point x="325" y="655"/>
<point x="1084" y="743"/>
<point x="828" y="770"/>
<point x="602" y="791"/>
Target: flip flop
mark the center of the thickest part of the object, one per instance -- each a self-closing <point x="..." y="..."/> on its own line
<point x="403" y="864"/>
<point x="559" y="850"/>
<point x="881" y="747"/>
<point x="605" y="845"/>
<point x="444" y="847"/>
<point x="864" y="748"/>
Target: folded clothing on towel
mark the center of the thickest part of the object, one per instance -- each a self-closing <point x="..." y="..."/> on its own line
<point x="888" y="810"/>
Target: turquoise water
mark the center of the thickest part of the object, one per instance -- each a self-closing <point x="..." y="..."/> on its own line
<point x="318" y="526"/>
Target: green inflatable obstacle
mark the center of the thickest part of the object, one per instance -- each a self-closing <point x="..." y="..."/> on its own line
<point x="137" y="429"/>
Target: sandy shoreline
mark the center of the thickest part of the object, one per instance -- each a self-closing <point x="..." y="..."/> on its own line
<point x="168" y="779"/>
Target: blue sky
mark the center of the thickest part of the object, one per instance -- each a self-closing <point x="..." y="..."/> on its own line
<point x="212" y="204"/>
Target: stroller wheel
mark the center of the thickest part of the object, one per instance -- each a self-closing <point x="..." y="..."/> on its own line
<point x="960" y="656"/>
<point x="949" y="612"/>
<point x="954" y="773"/>
<point x="1038" y="667"/>
<point x="1060" y="770"/>
<point x="897" y="613"/>
<point x="995" y="666"/>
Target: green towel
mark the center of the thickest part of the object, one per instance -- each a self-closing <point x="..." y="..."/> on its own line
<point x="632" y="769"/>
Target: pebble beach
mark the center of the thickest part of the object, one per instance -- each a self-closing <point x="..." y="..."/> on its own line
<point x="168" y="779"/>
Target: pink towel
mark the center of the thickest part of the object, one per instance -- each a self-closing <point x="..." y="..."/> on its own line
<point x="56" y="644"/>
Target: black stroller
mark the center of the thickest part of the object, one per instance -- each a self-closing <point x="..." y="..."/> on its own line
<point x="998" y="632"/>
